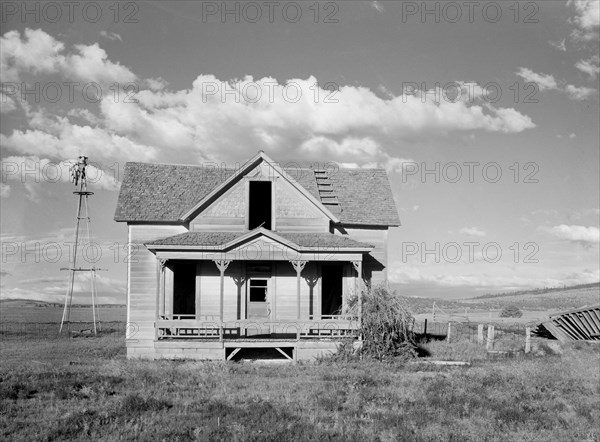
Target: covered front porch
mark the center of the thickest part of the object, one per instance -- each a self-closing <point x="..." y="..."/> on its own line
<point x="260" y="286"/>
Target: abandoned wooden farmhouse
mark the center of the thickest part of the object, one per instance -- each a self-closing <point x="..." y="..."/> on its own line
<point x="257" y="256"/>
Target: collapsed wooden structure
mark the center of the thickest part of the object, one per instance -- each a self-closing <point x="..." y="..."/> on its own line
<point x="582" y="324"/>
<point x="258" y="256"/>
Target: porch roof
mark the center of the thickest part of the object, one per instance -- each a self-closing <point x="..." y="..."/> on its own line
<point x="321" y="241"/>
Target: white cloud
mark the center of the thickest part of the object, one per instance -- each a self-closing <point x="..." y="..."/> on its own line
<point x="4" y="190"/>
<point x="591" y="66"/>
<point x="473" y="231"/>
<point x="547" y="82"/>
<point x="587" y="19"/>
<point x="7" y="103"/>
<point x="219" y="120"/>
<point x="57" y="138"/>
<point x="84" y="114"/>
<point x="38" y="52"/>
<point x="111" y="35"/>
<point x="580" y="93"/>
<point x="91" y="64"/>
<point x="37" y="175"/>
<point x="588" y="13"/>
<point x="404" y="274"/>
<point x="543" y="81"/>
<point x="580" y="234"/>
<point x="52" y="289"/>
<point x="156" y="84"/>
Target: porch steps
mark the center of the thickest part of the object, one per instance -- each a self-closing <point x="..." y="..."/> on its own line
<point x="325" y="187"/>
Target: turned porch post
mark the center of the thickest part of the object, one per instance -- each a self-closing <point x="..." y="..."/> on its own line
<point x="161" y="288"/>
<point x="358" y="286"/>
<point x="298" y="266"/>
<point x="222" y="265"/>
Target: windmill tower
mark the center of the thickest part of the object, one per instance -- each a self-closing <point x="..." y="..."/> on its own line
<point x="79" y="178"/>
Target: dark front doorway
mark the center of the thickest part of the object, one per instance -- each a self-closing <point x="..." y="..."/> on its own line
<point x="331" y="289"/>
<point x="259" y="213"/>
<point x="184" y="287"/>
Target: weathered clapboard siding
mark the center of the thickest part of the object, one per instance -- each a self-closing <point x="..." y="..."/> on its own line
<point x="375" y="265"/>
<point x="210" y="290"/>
<point x="227" y="213"/>
<point x="287" y="290"/>
<point x="143" y="283"/>
<point x="292" y="211"/>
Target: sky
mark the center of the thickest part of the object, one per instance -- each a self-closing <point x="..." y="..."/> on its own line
<point x="486" y="117"/>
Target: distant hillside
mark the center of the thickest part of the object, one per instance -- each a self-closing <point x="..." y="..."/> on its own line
<point x="39" y="303"/>
<point x="540" y="291"/>
<point x="550" y="300"/>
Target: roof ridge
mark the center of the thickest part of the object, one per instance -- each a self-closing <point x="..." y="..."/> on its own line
<point x="283" y="166"/>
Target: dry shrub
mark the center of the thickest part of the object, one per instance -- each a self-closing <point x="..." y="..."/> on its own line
<point x="386" y="327"/>
<point x="511" y="311"/>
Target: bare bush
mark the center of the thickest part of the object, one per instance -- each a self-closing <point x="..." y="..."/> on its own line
<point x="386" y="327"/>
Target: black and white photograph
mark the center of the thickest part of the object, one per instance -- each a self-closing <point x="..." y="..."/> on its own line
<point x="310" y="220"/>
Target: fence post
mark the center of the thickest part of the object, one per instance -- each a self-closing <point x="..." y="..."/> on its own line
<point x="449" y="331"/>
<point x="527" y="339"/>
<point x="480" y="334"/>
<point x="425" y="329"/>
<point x="490" y="338"/>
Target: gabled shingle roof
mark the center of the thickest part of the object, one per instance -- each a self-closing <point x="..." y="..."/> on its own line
<point x="303" y="240"/>
<point x="165" y="192"/>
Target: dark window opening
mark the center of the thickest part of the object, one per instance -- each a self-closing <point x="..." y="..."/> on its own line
<point x="331" y="294"/>
<point x="258" y="290"/>
<point x="259" y="213"/>
<point x="184" y="288"/>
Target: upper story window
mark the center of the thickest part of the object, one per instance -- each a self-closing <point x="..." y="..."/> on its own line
<point x="259" y="211"/>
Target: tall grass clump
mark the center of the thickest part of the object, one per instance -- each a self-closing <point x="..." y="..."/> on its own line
<point x="386" y="327"/>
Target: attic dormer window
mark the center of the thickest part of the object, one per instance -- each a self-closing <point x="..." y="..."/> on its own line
<point x="259" y="212"/>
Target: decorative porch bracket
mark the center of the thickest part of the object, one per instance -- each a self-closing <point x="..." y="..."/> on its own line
<point x="222" y="265"/>
<point x="298" y="266"/>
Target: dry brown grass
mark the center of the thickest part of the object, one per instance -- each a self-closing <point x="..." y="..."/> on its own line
<point x="85" y="389"/>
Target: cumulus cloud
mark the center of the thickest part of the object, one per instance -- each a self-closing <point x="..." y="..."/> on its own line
<point x="36" y="174"/>
<point x="587" y="236"/>
<point x="587" y="18"/>
<point x="38" y="52"/>
<point x="84" y="114"/>
<point x="591" y="66"/>
<point x="7" y="103"/>
<point x="472" y="231"/>
<point x="225" y="120"/>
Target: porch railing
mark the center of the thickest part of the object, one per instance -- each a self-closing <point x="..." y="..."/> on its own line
<point x="331" y="326"/>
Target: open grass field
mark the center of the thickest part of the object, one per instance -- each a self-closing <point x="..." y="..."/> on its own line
<point x="85" y="389"/>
